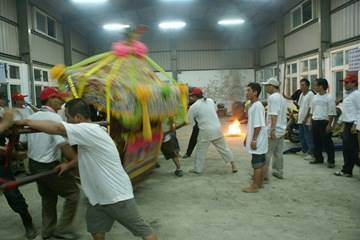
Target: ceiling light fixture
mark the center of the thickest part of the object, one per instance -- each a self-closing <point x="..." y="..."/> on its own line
<point x="172" y="25"/>
<point x="89" y="1"/>
<point x="115" y="26"/>
<point x="227" y="22"/>
<point x="176" y="0"/>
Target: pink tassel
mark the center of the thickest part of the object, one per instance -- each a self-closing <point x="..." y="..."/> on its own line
<point x="139" y="49"/>
<point x="120" y="49"/>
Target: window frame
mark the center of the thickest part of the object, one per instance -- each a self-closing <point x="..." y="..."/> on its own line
<point x="36" y="10"/>
<point x="300" y="6"/>
<point x="340" y="68"/>
<point x="11" y="81"/>
<point x="299" y="74"/>
<point x="42" y="83"/>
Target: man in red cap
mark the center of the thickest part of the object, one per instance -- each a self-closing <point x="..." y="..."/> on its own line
<point x="350" y="111"/>
<point x="44" y="153"/>
<point x="21" y="111"/>
<point x="203" y="112"/>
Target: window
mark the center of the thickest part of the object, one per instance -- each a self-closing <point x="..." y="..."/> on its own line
<point x="301" y="14"/>
<point x="339" y="76"/>
<point x="339" y="66"/>
<point x="313" y="64"/>
<point x="41" y="77"/>
<point x="14" y="72"/>
<point x="264" y="74"/>
<point x="337" y="59"/>
<point x="45" y="24"/>
<point x="12" y="83"/>
<point x="304" y="66"/>
<point x="291" y="78"/>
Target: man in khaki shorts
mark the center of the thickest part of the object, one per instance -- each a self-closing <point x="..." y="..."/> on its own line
<point x="103" y="179"/>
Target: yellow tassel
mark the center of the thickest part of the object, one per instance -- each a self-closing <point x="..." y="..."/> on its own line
<point x="184" y="92"/>
<point x="143" y="93"/>
<point x="72" y="87"/>
<point x="112" y="75"/>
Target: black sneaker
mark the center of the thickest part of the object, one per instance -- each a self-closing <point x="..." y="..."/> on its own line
<point x="186" y="156"/>
<point x="31" y="233"/>
<point x="179" y="173"/>
<point x="342" y="174"/>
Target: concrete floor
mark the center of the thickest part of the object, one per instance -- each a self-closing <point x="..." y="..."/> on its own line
<point x="310" y="203"/>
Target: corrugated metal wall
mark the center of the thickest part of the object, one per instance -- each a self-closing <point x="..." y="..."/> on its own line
<point x="267" y="34"/>
<point x="345" y="23"/>
<point x="267" y="43"/>
<point x="8" y="9"/>
<point x="79" y="42"/>
<point x="77" y="57"/>
<point x="303" y="41"/>
<point x="221" y="59"/>
<point x="46" y="51"/>
<point x="337" y="3"/>
<point x="9" y="43"/>
<point x="163" y="58"/>
<point x="268" y="54"/>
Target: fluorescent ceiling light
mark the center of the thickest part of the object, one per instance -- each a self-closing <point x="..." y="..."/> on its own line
<point x="89" y="1"/>
<point x="237" y="21"/>
<point x="176" y="0"/>
<point x="172" y="25"/>
<point x="115" y="26"/>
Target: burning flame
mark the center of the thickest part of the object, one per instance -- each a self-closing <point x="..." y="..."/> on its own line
<point x="234" y="129"/>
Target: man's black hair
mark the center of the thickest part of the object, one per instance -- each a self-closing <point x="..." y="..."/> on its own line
<point x="255" y="87"/>
<point x="306" y="81"/>
<point x="78" y="106"/>
<point x="322" y="82"/>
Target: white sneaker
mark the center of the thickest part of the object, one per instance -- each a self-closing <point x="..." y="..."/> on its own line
<point x="309" y="157"/>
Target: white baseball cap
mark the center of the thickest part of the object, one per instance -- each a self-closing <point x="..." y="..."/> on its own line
<point x="272" y="81"/>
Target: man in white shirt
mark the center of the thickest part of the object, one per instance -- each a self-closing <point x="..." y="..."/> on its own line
<point x="44" y="152"/>
<point x="103" y="179"/>
<point x="203" y="112"/>
<point x="323" y="112"/>
<point x="304" y="120"/>
<point x="276" y="124"/>
<point x="349" y="116"/>
<point x="256" y="138"/>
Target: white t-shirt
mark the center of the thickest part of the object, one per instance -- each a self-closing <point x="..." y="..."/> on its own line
<point x="277" y="106"/>
<point x="349" y="107"/>
<point x="304" y="107"/>
<point x="203" y="111"/>
<point x="43" y="147"/>
<point x="22" y="113"/>
<point x="256" y="118"/>
<point x="355" y="99"/>
<point x="322" y="106"/>
<point x="103" y="178"/>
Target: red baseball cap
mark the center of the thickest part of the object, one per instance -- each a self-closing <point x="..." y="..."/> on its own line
<point x="49" y="92"/>
<point x="18" y="97"/>
<point x="196" y="91"/>
<point x="351" y="78"/>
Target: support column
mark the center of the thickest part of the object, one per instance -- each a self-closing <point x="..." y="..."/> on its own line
<point x="280" y="42"/>
<point x="67" y="43"/>
<point x="325" y="34"/>
<point x="173" y="58"/>
<point x="23" y="11"/>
